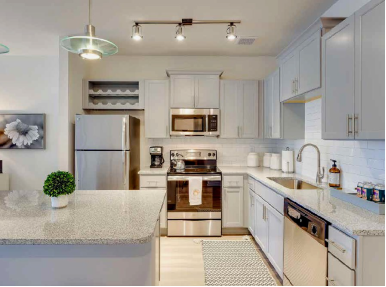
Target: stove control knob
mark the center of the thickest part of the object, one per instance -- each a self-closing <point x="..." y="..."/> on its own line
<point x="213" y="154"/>
<point x="314" y="230"/>
<point x="209" y="154"/>
<point x="172" y="154"/>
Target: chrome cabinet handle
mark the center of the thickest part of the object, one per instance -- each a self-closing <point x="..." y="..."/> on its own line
<point x="296" y="85"/>
<point x="264" y="212"/>
<point x="356" y="117"/>
<point x="336" y="245"/>
<point x="331" y="281"/>
<point x="349" y="118"/>
<point x="293" y="86"/>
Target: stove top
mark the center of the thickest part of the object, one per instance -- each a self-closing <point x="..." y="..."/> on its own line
<point x="196" y="170"/>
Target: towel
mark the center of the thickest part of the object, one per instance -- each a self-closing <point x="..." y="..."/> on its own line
<point x="195" y="190"/>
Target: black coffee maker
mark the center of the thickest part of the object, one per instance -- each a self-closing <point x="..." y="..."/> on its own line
<point x="157" y="158"/>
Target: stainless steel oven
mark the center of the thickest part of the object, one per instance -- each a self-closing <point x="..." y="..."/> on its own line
<point x="195" y="122"/>
<point x="185" y="219"/>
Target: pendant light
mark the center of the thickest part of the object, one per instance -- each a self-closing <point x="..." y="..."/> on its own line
<point x="179" y="33"/>
<point x="89" y="46"/>
<point x="231" y="32"/>
<point x="137" y="32"/>
<point x="3" y="49"/>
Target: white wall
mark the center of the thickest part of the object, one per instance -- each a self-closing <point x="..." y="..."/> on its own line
<point x="358" y="160"/>
<point x="29" y="84"/>
<point x="344" y="8"/>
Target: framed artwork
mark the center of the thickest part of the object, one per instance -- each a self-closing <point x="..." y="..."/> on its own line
<point x="22" y="131"/>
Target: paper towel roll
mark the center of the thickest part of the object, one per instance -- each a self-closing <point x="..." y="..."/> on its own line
<point x="287" y="161"/>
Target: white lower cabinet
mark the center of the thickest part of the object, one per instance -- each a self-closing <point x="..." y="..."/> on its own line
<point x="233" y="201"/>
<point x="338" y="273"/>
<point x="267" y="223"/>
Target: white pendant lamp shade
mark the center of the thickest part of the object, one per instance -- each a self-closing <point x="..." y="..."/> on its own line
<point x="179" y="33"/>
<point x="3" y="49"/>
<point x="88" y="46"/>
<point x="231" y="32"/>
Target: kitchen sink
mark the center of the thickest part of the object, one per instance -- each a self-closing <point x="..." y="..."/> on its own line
<point x="293" y="183"/>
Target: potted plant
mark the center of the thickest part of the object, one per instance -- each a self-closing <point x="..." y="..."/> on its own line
<point x="58" y="186"/>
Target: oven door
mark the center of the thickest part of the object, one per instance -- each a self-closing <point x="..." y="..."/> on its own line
<point x="178" y="198"/>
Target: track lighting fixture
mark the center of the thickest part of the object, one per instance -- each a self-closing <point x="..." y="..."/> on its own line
<point x="137" y="32"/>
<point x="179" y="33"/>
<point x="88" y="46"/>
<point x="231" y="32"/>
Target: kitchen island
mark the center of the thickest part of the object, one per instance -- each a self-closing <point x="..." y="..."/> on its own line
<point x="103" y="237"/>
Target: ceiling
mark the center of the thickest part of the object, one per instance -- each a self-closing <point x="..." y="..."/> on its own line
<point x="33" y="27"/>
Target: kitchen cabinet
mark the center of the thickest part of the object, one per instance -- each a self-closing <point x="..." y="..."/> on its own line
<point x="233" y="201"/>
<point x="156" y="109"/>
<point x="272" y="106"/>
<point x="194" y="89"/>
<point x="251" y="221"/>
<point x="353" y="104"/>
<point x="369" y="120"/>
<point x="338" y="81"/>
<point x="300" y="68"/>
<point x="261" y="225"/>
<point x="239" y="109"/>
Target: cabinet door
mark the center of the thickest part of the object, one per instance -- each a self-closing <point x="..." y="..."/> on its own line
<point x="229" y="100"/>
<point x="248" y="109"/>
<point x="261" y="231"/>
<point x="157" y="109"/>
<point x="268" y="88"/>
<point x="276" y="106"/>
<point x="338" y="273"/>
<point x="182" y="91"/>
<point x="338" y="81"/>
<point x="207" y="92"/>
<point x="275" y="238"/>
<point x="233" y="207"/>
<point x="309" y="64"/>
<point x="289" y="70"/>
<point x="251" y="221"/>
<point x="370" y="71"/>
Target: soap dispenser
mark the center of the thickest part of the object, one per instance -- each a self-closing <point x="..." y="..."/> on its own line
<point x="334" y="175"/>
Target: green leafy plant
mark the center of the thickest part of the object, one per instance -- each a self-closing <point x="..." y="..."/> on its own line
<point x="59" y="183"/>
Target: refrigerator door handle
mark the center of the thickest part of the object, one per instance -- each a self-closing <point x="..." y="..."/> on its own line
<point x="124" y="170"/>
<point x="124" y="133"/>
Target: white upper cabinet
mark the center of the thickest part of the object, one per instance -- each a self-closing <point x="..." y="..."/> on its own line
<point x="369" y="114"/>
<point x="353" y="53"/>
<point x="239" y="109"/>
<point x="194" y="89"/>
<point x="272" y="106"/>
<point x="156" y="108"/>
<point x="338" y="81"/>
<point x="289" y="71"/>
<point x="309" y="64"/>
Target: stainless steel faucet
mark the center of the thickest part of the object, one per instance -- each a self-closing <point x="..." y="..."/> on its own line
<point x="320" y="172"/>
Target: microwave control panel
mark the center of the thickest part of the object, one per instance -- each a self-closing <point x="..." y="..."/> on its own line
<point x="212" y="125"/>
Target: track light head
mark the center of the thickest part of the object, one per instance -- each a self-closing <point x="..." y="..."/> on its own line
<point x="231" y="32"/>
<point x="179" y="33"/>
<point x="137" y="32"/>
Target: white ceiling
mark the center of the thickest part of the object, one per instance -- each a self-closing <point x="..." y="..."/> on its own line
<point x="32" y="27"/>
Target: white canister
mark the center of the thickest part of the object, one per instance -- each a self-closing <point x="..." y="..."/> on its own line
<point x="253" y="159"/>
<point x="267" y="159"/>
<point x="275" y="161"/>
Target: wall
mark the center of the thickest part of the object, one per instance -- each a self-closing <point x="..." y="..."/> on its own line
<point x="29" y="84"/>
<point x="231" y="151"/>
<point x="358" y="160"/>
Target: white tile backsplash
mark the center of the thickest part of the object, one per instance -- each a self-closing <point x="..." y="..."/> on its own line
<point x="358" y="160"/>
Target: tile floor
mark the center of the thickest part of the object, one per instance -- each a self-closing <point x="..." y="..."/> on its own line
<point x="182" y="263"/>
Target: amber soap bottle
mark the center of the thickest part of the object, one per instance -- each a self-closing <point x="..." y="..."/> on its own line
<point x="334" y="175"/>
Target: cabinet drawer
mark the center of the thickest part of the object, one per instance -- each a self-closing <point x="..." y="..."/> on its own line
<point x="341" y="246"/>
<point x="233" y="181"/>
<point x="153" y="181"/>
<point x="338" y="273"/>
<point x="270" y="196"/>
<point x="251" y="183"/>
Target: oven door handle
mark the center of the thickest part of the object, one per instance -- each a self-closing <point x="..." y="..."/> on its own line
<point x="185" y="178"/>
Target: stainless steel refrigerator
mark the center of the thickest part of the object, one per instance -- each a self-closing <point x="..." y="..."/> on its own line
<point x="107" y="152"/>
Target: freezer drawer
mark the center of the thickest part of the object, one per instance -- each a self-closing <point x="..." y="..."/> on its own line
<point x="194" y="227"/>
<point x="102" y="170"/>
<point x="102" y="132"/>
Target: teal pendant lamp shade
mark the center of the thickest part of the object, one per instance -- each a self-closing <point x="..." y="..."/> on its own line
<point x="88" y="46"/>
<point x="3" y="49"/>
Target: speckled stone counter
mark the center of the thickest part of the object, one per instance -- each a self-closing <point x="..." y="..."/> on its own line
<point x="345" y="216"/>
<point x="92" y="217"/>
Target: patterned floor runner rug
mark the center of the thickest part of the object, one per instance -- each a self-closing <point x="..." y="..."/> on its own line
<point x="234" y="263"/>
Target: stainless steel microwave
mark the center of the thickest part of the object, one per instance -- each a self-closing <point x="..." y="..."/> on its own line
<point x="195" y="122"/>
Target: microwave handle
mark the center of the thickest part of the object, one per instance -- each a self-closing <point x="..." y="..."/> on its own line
<point x="206" y="123"/>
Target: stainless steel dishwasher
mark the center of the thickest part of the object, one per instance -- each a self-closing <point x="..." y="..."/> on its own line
<point x="305" y="250"/>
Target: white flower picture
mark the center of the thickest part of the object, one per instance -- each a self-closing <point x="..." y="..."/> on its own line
<point x="22" y="131"/>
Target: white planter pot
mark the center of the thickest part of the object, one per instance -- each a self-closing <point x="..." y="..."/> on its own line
<point x="60" y="201"/>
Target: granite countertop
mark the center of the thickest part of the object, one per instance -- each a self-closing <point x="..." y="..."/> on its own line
<point x="153" y="171"/>
<point x="343" y="215"/>
<point x="91" y="217"/>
